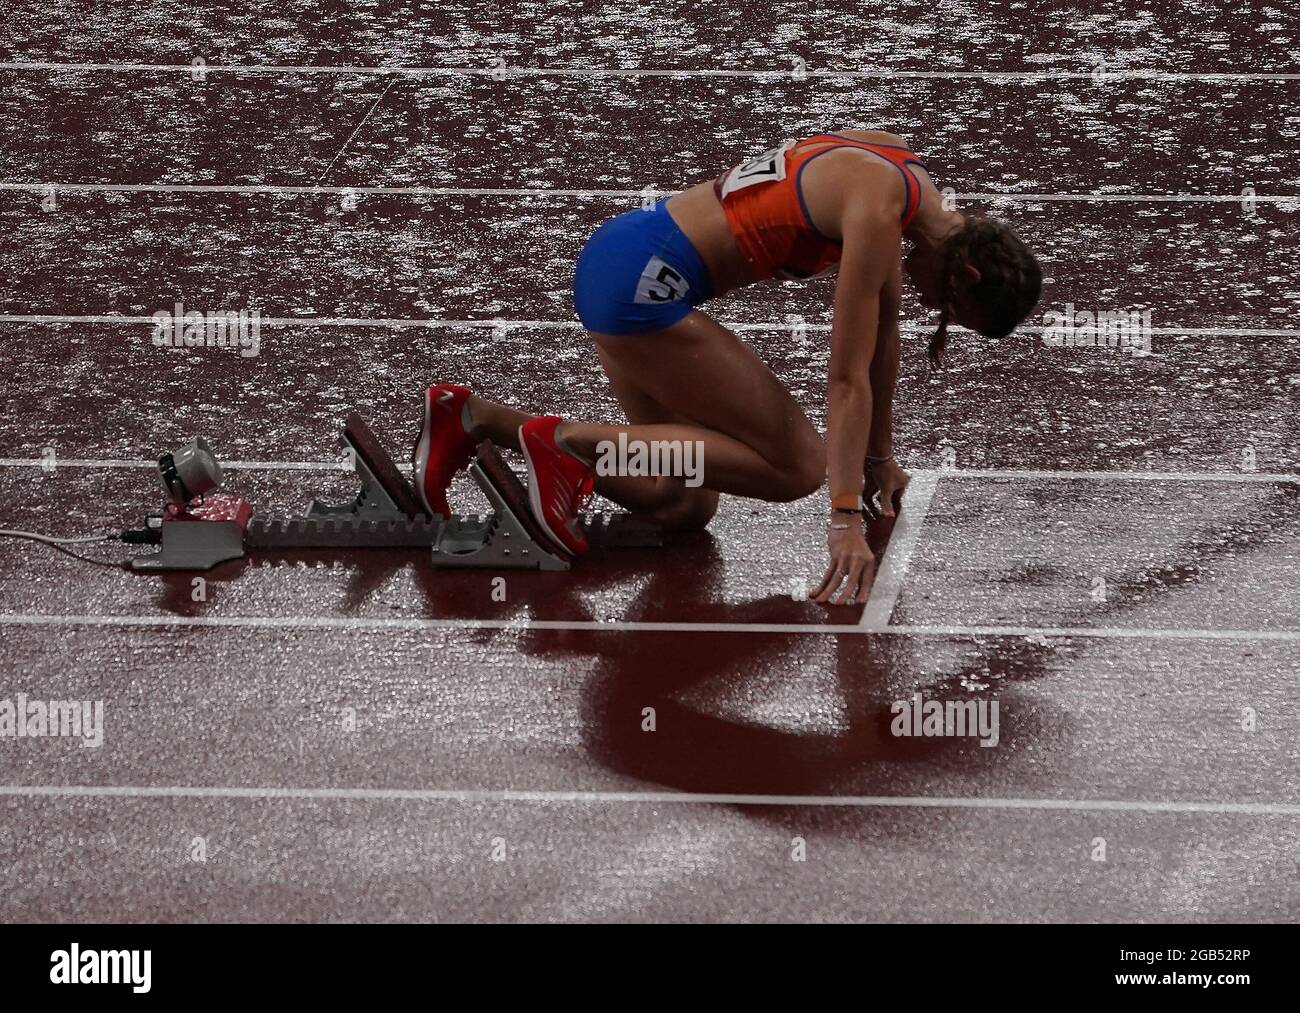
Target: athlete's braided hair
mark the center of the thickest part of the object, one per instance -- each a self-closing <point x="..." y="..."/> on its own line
<point x="1010" y="278"/>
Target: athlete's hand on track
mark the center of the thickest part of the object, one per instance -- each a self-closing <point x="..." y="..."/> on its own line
<point x="889" y="480"/>
<point x="853" y="566"/>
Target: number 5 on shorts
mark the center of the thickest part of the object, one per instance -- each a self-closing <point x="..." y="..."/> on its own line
<point x="661" y="283"/>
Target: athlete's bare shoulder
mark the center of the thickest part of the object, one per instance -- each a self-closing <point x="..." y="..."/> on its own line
<point x="875" y="137"/>
<point x="884" y="137"/>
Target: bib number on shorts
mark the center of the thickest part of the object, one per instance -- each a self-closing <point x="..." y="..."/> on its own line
<point x="661" y="282"/>
<point x="766" y="168"/>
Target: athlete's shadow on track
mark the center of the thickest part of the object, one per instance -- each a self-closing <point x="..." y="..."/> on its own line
<point x="694" y="750"/>
<point x="711" y="749"/>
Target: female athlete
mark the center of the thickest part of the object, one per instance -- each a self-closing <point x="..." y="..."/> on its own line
<point x="834" y="202"/>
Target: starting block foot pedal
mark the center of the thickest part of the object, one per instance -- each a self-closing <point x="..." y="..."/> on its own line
<point x="509" y="538"/>
<point x="385" y="492"/>
<point x="385" y="514"/>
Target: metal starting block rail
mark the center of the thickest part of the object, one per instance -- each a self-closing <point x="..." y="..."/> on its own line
<point x="386" y="514"/>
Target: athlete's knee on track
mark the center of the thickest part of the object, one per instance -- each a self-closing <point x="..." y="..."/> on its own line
<point x="804" y="473"/>
<point x="688" y="510"/>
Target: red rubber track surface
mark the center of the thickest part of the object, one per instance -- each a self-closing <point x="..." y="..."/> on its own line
<point x="359" y="736"/>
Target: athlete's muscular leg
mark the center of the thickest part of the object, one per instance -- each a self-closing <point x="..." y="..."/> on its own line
<point x="669" y="501"/>
<point x="496" y="422"/>
<point x="713" y="387"/>
<point x="694" y="381"/>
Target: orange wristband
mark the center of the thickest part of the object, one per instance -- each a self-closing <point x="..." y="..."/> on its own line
<point x="848" y="501"/>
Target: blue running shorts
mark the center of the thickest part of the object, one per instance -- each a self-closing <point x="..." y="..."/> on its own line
<point x="638" y="273"/>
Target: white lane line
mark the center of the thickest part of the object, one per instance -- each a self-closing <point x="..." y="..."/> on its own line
<point x="515" y="625"/>
<point x="410" y="625"/>
<point x="898" y="553"/>
<point x="469" y="795"/>
<point x="906" y="327"/>
<point x="389" y="322"/>
<point x="343" y="189"/>
<point x="1028" y="474"/>
<point x="451" y="191"/>
<point x="1100" y="633"/>
<point x="1120" y="198"/>
<point x="881" y="73"/>
<point x="1012" y="474"/>
<point x="109" y="463"/>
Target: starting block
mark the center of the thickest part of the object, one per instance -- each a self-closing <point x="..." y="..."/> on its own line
<point x="386" y="513"/>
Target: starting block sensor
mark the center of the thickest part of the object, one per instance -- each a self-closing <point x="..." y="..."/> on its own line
<point x="199" y="528"/>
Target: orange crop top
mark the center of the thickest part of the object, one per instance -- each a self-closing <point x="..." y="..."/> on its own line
<point x="765" y="209"/>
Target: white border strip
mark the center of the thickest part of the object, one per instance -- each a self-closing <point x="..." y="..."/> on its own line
<point x="898" y="553"/>
<point x="520" y="624"/>
<point x="451" y="191"/>
<point x="648" y="798"/>
<point x="1110" y="74"/>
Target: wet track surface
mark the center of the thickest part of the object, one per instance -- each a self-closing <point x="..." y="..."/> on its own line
<point x="480" y="759"/>
<point x="1202" y="266"/>
<point x="998" y="36"/>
